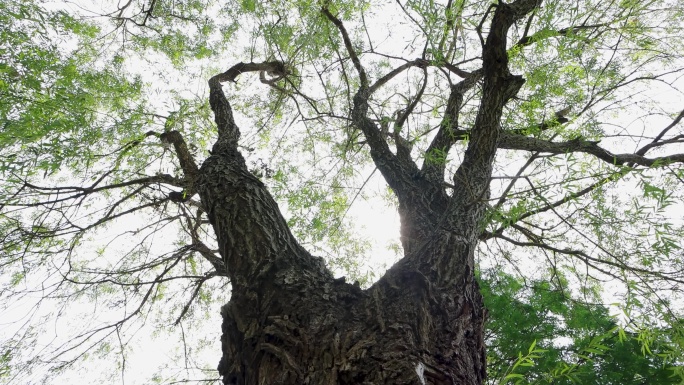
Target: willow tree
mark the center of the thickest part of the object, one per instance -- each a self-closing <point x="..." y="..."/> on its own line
<point x="529" y="137"/>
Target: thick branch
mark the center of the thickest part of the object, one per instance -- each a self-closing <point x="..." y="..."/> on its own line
<point x="471" y="180"/>
<point x="517" y="142"/>
<point x="514" y="141"/>
<point x="185" y="158"/>
<point x="420" y="63"/>
<point x="459" y="72"/>
<point x="397" y="171"/>
<point x="253" y="238"/>
<point x="435" y="162"/>
<point x="228" y="131"/>
<point x="273" y="68"/>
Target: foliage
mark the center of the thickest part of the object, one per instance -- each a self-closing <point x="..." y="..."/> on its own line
<point x="581" y="252"/>
<point x="568" y="341"/>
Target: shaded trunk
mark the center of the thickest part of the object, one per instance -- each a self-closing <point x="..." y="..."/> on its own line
<point x="290" y="322"/>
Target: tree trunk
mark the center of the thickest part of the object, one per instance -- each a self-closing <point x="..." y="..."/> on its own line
<point x="290" y="322"/>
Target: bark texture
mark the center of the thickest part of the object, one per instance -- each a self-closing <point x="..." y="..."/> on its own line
<point x="290" y="322"/>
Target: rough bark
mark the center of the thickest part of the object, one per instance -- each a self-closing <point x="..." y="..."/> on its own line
<point x="290" y="322"/>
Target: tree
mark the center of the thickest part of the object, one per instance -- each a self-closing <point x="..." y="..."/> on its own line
<point x="595" y="351"/>
<point x="511" y="135"/>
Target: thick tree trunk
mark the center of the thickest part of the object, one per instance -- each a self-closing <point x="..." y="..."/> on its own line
<point x="290" y="322"/>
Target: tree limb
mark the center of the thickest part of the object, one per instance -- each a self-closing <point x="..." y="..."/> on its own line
<point x="397" y="172"/>
<point x="518" y="142"/>
<point x="447" y="134"/>
<point x="472" y="177"/>
<point x="186" y="160"/>
<point x="420" y="63"/>
<point x="228" y="131"/>
<point x="348" y="45"/>
<point x="656" y="142"/>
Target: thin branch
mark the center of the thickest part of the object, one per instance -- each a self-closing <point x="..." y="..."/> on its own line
<point x="586" y="258"/>
<point x="568" y="31"/>
<point x="508" y="188"/>
<point x="656" y="142"/>
<point x="404" y="145"/>
<point x="348" y="45"/>
<point x="194" y="295"/>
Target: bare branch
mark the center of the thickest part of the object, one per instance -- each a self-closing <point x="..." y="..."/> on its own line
<point x="79" y="192"/>
<point x="363" y="79"/>
<point x="508" y="188"/>
<point x="592" y="261"/>
<point x="517" y="142"/>
<point x="656" y="142"/>
<point x="195" y="293"/>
